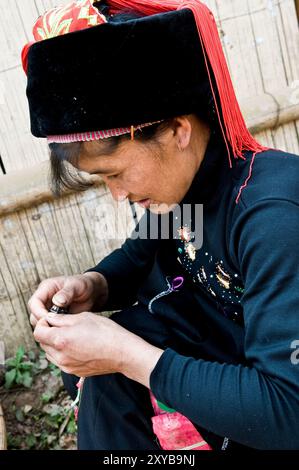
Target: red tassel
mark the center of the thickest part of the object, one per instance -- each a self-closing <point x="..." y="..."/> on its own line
<point x="233" y="126"/>
<point x="24" y="56"/>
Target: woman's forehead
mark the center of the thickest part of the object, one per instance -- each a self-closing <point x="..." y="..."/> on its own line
<point x="103" y="156"/>
<point x="96" y="148"/>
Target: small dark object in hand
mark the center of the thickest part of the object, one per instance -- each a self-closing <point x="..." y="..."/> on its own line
<point x="55" y="309"/>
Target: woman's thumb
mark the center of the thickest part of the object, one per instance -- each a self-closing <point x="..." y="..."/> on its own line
<point x="63" y="297"/>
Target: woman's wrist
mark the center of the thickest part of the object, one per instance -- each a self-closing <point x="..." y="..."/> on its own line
<point x="139" y="359"/>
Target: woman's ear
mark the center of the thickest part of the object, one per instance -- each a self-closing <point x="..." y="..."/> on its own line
<point x="182" y="132"/>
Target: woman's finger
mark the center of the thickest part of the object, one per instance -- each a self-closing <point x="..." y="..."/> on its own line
<point x="40" y="301"/>
<point x="59" y="320"/>
<point x="33" y="320"/>
<point x="56" y="359"/>
<point x="73" y="289"/>
<point x="37" y="307"/>
<point x="45" y="334"/>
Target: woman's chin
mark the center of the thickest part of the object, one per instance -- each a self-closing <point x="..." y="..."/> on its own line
<point x="161" y="207"/>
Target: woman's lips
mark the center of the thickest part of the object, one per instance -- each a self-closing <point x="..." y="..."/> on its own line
<point x="145" y="203"/>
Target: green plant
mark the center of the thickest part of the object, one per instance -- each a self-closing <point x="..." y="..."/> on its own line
<point x="48" y="423"/>
<point x="60" y="417"/>
<point x="19" y="370"/>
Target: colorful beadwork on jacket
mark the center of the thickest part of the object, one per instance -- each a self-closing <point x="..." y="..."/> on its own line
<point x="209" y="273"/>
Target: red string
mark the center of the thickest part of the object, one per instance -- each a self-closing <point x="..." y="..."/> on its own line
<point x="247" y="179"/>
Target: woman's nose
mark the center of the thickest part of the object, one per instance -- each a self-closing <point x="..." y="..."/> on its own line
<point x="117" y="193"/>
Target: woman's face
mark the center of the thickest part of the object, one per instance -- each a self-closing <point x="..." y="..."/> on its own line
<point x="154" y="175"/>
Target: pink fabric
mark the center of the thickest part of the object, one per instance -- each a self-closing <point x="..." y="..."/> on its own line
<point x="175" y="431"/>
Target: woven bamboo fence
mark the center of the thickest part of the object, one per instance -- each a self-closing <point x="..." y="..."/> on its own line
<point x="41" y="236"/>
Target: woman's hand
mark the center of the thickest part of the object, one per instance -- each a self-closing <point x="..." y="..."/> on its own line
<point x="88" y="344"/>
<point x="80" y="293"/>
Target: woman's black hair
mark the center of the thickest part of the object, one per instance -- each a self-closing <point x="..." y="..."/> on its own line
<point x="64" y="157"/>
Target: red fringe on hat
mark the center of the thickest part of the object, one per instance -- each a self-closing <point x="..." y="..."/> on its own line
<point x="232" y="123"/>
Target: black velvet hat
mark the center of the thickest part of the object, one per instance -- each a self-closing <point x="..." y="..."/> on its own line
<point x="158" y="65"/>
<point x="116" y="74"/>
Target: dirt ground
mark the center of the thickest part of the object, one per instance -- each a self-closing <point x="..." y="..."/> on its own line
<point x="39" y="417"/>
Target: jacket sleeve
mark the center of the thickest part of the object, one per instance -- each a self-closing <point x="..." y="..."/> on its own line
<point x="126" y="268"/>
<point x="256" y="403"/>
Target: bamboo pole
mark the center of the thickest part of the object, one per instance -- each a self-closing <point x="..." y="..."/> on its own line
<point x="28" y="188"/>
<point x="3" y="440"/>
<point x="3" y="444"/>
<point x="271" y="110"/>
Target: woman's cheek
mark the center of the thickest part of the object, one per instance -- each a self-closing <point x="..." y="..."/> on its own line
<point x="137" y="184"/>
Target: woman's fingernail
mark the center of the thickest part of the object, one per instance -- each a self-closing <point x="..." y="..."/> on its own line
<point x="51" y="314"/>
<point x="60" y="299"/>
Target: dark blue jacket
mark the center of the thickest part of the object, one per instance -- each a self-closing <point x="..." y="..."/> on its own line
<point x="242" y="291"/>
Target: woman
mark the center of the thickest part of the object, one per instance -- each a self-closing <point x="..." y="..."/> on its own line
<point x="208" y="329"/>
